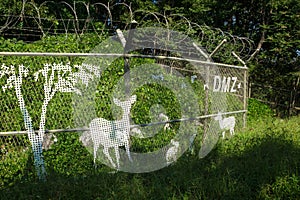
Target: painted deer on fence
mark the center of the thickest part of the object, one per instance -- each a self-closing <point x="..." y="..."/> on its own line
<point x="226" y="123"/>
<point x="112" y="133"/>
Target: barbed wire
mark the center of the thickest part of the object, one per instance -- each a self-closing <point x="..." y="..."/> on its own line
<point x="36" y="21"/>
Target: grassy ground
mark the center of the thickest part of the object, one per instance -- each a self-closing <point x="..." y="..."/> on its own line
<point x="262" y="162"/>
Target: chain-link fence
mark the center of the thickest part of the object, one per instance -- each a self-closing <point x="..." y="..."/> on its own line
<point x="37" y="88"/>
<point x="43" y="100"/>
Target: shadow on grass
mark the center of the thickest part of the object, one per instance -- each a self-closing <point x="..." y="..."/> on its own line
<point x="253" y="173"/>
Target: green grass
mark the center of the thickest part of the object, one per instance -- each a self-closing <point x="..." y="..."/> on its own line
<point x="261" y="162"/>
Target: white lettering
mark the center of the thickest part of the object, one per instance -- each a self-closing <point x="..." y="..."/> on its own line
<point x="217" y="84"/>
<point x="233" y="85"/>
<point x="224" y="84"/>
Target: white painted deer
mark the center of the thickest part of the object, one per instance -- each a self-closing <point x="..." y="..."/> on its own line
<point x="113" y="133"/>
<point x="226" y="123"/>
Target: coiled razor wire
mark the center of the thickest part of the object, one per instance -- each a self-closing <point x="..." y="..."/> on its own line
<point x="43" y="24"/>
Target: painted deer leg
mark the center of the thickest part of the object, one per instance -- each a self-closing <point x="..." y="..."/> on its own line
<point x="127" y="149"/>
<point x="105" y="151"/>
<point x="117" y="156"/>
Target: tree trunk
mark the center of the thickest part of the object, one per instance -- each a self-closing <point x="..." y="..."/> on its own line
<point x="36" y="140"/>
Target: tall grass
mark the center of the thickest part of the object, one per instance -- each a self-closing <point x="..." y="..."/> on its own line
<point x="261" y="162"/>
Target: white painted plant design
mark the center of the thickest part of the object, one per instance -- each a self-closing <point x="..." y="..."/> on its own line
<point x="57" y="78"/>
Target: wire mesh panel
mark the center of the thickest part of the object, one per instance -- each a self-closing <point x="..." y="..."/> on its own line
<point x="24" y="120"/>
<point x="179" y="89"/>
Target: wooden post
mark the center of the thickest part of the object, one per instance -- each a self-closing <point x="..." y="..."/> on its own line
<point x="249" y="92"/>
<point x="245" y="99"/>
<point x="293" y="96"/>
<point x="127" y="48"/>
<point x="206" y="102"/>
<point x="206" y="84"/>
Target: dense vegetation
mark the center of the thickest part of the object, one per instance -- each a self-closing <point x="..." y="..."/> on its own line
<point x="272" y="25"/>
<point x="259" y="162"/>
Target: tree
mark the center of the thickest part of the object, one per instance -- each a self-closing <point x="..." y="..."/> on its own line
<point x="273" y="26"/>
<point x="14" y="80"/>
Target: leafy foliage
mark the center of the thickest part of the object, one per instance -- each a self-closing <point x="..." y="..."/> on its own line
<point x="258" y="111"/>
<point x="261" y="162"/>
<point x="59" y="109"/>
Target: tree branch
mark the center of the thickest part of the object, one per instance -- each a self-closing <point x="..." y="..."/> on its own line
<point x="263" y="34"/>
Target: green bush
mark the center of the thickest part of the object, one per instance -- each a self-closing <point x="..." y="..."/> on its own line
<point x="59" y="113"/>
<point x="247" y="162"/>
<point x="258" y="110"/>
<point x="68" y="157"/>
<point x="13" y="165"/>
<point x="260" y="163"/>
<point x="287" y="187"/>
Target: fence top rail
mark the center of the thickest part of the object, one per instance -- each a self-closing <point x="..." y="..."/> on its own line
<point x="56" y="54"/>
